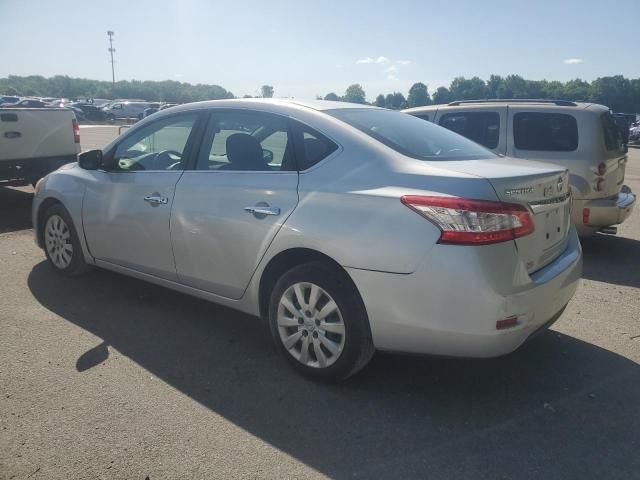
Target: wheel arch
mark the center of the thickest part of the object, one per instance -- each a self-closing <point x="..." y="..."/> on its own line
<point x="286" y="260"/>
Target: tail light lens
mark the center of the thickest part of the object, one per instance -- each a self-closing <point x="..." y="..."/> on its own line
<point x="76" y="131"/>
<point x="472" y="222"/>
<point x="602" y="168"/>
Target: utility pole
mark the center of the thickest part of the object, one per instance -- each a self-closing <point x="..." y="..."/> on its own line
<point x="111" y="50"/>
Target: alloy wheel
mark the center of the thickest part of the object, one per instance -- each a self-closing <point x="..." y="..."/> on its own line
<point x="57" y="237"/>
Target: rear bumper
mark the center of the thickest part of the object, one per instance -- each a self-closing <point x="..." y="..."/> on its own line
<point x="450" y="305"/>
<point x="32" y="169"/>
<point x="594" y="214"/>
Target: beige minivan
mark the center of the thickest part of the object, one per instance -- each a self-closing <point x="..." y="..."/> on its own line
<point x="581" y="137"/>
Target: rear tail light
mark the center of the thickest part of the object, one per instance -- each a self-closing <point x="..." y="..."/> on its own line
<point x="76" y="131"/>
<point x="472" y="222"/>
<point x="585" y="215"/>
<point x="507" y="323"/>
<point x="602" y="169"/>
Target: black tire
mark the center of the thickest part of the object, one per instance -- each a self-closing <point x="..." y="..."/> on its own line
<point x="77" y="264"/>
<point x="358" y="345"/>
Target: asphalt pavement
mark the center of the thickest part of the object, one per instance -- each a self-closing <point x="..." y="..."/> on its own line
<point x="109" y="377"/>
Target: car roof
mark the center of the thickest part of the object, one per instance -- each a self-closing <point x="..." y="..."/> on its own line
<point x="319" y="105"/>
<point x="554" y="104"/>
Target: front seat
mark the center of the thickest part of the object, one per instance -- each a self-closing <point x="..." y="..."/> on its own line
<point x="244" y="153"/>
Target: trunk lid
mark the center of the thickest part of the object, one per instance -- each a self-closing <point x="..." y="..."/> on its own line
<point x="543" y="189"/>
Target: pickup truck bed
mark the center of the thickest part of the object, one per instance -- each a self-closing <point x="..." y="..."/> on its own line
<point x="36" y="141"/>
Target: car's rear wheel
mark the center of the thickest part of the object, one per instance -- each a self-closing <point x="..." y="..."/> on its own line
<point x="61" y="244"/>
<point x="319" y="323"/>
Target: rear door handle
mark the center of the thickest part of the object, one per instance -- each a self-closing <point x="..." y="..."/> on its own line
<point x="262" y="210"/>
<point x="156" y="200"/>
<point x="12" y="134"/>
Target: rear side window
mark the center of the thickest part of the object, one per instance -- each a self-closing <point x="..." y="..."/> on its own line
<point x="481" y="127"/>
<point x="556" y="132"/>
<point x="316" y="148"/>
<point x="612" y="134"/>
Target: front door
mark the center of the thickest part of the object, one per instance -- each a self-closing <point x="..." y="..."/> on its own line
<point x="127" y="207"/>
<point x="229" y="208"/>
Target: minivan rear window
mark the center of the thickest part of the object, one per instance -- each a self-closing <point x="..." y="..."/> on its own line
<point x="612" y="134"/>
<point x="410" y="135"/>
<point x="481" y="127"/>
<point x="556" y="132"/>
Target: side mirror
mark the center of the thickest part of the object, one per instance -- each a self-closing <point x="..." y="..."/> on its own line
<point x="267" y="156"/>
<point x="91" y="160"/>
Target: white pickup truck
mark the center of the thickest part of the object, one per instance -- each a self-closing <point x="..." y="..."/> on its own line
<point x="36" y="141"/>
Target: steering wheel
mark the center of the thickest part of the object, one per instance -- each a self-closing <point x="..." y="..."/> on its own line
<point x="167" y="160"/>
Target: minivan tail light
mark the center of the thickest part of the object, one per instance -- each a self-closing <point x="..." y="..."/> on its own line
<point x="76" y="131"/>
<point x="472" y="222"/>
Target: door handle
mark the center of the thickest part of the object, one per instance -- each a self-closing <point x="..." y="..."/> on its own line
<point x="261" y="211"/>
<point x="12" y="135"/>
<point x="156" y="200"/>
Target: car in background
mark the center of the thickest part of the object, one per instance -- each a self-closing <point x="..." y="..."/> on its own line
<point x="127" y="109"/>
<point x="26" y="103"/>
<point x="88" y="111"/>
<point x="348" y="228"/>
<point x="582" y="137"/>
<point x="168" y="105"/>
<point x="8" y="99"/>
<point x="153" y="108"/>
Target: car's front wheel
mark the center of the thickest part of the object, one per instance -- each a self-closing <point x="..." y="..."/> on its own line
<point x="61" y="244"/>
<point x="319" y="323"/>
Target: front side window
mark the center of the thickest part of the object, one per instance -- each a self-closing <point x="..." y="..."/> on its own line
<point x="411" y="136"/>
<point x="481" y="127"/>
<point x="158" y="146"/>
<point x="556" y="132"/>
<point x="246" y="141"/>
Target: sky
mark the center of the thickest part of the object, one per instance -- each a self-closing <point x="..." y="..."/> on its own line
<point x="306" y="48"/>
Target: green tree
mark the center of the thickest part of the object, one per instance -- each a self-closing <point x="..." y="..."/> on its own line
<point x="575" y="90"/>
<point x="355" y="94"/>
<point x="418" y="95"/>
<point x="266" y="91"/>
<point x="380" y="102"/>
<point x="397" y="101"/>
<point x="441" y="95"/>
<point x="467" y="89"/>
<point x="615" y="92"/>
<point x="494" y="86"/>
<point x="332" y="96"/>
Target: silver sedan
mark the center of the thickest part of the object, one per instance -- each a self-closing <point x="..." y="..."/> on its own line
<point x="347" y="228"/>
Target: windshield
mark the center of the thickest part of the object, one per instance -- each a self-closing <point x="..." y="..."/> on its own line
<point x="411" y="136"/>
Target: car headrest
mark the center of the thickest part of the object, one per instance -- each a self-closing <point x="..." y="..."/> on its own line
<point x="245" y="153"/>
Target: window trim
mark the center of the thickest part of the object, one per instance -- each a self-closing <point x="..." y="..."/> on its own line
<point x="535" y="112"/>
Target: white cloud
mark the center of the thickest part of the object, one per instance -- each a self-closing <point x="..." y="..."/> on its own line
<point x="573" y="61"/>
<point x="365" y="60"/>
<point x="404" y="62"/>
<point x="390" y="69"/>
<point x="392" y="76"/>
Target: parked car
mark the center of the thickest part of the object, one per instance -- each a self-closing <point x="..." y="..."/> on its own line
<point x="581" y="137"/>
<point x="8" y="99"/>
<point x="89" y="111"/>
<point x="346" y="227"/>
<point x="25" y="103"/>
<point x="36" y="142"/>
<point x="117" y="110"/>
<point x="153" y="108"/>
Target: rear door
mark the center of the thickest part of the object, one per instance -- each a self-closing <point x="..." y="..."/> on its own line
<point x="230" y="206"/>
<point x="486" y="126"/>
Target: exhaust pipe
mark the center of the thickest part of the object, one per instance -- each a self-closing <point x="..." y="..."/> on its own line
<point x="609" y="230"/>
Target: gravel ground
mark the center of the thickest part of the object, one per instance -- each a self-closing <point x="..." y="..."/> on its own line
<point x="109" y="377"/>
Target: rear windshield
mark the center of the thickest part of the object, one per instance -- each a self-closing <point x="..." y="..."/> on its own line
<point x="410" y="135"/>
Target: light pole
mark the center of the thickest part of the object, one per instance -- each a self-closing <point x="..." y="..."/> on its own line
<point x="111" y="50"/>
